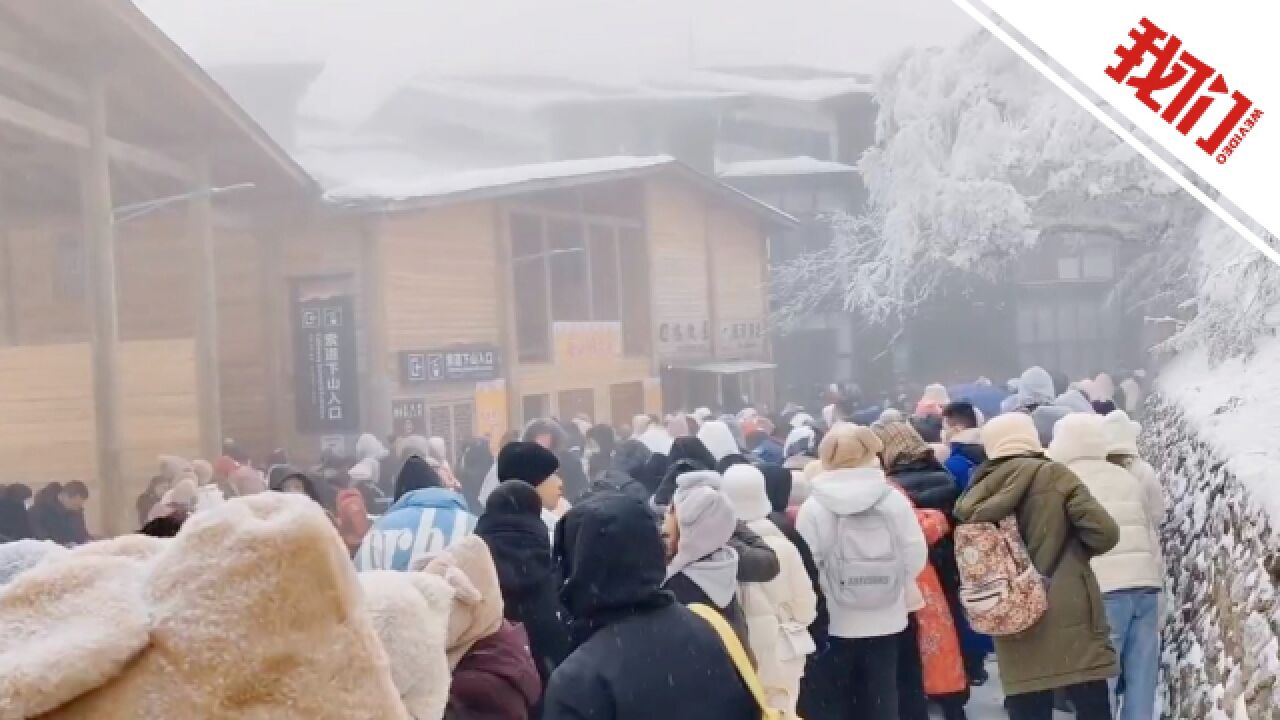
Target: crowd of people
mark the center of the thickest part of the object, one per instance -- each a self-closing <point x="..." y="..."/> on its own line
<point x="860" y="561"/>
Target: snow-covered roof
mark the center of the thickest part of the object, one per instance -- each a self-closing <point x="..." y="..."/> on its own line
<point x="456" y="183"/>
<point x="404" y="191"/>
<point x="1235" y="406"/>
<point x="783" y="167"/>
<point x="815" y="89"/>
<point x="533" y="93"/>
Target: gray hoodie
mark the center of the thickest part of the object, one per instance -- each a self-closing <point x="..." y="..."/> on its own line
<point x="707" y="521"/>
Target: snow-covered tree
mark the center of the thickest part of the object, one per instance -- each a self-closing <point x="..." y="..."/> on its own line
<point x="970" y="140"/>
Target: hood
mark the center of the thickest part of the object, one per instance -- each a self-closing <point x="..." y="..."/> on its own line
<point x="687" y="482"/>
<point x="417" y="474"/>
<point x="1104" y="388"/>
<point x="1122" y="433"/>
<point x="1035" y="387"/>
<point x="718" y="439"/>
<point x="777" y="483"/>
<point x="630" y="457"/>
<point x="1075" y="400"/>
<point x="616" y="481"/>
<point x="799" y="440"/>
<point x="706" y="521"/>
<point x="611" y="553"/>
<point x="845" y="492"/>
<point x="368" y="447"/>
<point x="497" y="678"/>
<point x="716" y="575"/>
<point x="431" y="498"/>
<point x="1078" y="437"/>
<point x="657" y="439"/>
<point x="520" y="548"/>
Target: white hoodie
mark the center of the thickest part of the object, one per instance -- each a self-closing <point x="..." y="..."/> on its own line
<point x="846" y="492"/>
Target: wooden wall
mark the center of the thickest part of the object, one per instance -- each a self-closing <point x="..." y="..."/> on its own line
<point x="243" y="326"/>
<point x="738" y="264"/>
<point x="47" y="428"/>
<point x="676" y="220"/>
<point x="440" y="268"/>
<point x="598" y="377"/>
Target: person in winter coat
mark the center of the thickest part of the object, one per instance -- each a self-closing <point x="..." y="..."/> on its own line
<point x="718" y="438"/>
<point x="702" y="568"/>
<point x="687" y="454"/>
<point x="156" y="489"/>
<point x="1063" y="527"/>
<point x="631" y="457"/>
<point x="1122" y="449"/>
<point x="674" y="665"/>
<point x="764" y="448"/>
<point x="57" y="513"/>
<point x="424" y="520"/>
<point x="778" y="612"/>
<point x="961" y="431"/>
<point x="851" y="496"/>
<point x="14" y="521"/>
<point x="1130" y="575"/>
<point x="476" y="461"/>
<point x="512" y="527"/>
<point x="550" y="435"/>
<point x="537" y="466"/>
<point x="778" y="482"/>
<point x="602" y="442"/>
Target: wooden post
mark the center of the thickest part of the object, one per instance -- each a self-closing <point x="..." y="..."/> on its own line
<point x="99" y="230"/>
<point x="274" y="324"/>
<point x="504" y="286"/>
<point x="377" y="395"/>
<point x="208" y="376"/>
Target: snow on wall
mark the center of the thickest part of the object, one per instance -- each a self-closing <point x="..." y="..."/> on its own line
<point x="1222" y="630"/>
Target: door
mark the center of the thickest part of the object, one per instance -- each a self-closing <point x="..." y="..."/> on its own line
<point x="575" y="402"/>
<point x="626" y="400"/>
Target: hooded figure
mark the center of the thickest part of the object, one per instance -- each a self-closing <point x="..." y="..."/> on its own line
<point x="190" y="627"/>
<point x="1063" y="527"/>
<point x="778" y="482"/>
<point x="517" y="538"/>
<point x="780" y="611"/>
<point x="704" y="569"/>
<point x="632" y="457"/>
<point x="720" y="442"/>
<point x="674" y="667"/>
<point x="910" y="463"/>
<point x="688" y="454"/>
<point x="1036" y="397"/>
<point x="851" y="495"/>
<point x="424" y="520"/>
<point x="410" y="613"/>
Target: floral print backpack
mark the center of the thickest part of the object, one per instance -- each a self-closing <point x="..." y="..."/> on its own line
<point x="1000" y="589"/>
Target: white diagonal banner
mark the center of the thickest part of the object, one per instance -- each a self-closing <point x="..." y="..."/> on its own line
<point x="1196" y="78"/>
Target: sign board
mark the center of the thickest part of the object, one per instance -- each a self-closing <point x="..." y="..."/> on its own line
<point x="326" y="390"/>
<point x="741" y="338"/>
<point x="335" y="444"/>
<point x="586" y="342"/>
<point x="470" y="363"/>
<point x="491" y="412"/>
<point x="408" y="416"/>
<point x="684" y="338"/>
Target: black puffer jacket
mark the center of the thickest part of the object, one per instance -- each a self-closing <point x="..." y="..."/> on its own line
<point x="638" y="654"/>
<point x="927" y="483"/>
<point x="517" y="538"/>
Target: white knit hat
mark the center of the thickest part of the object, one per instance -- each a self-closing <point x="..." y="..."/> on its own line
<point x="744" y="487"/>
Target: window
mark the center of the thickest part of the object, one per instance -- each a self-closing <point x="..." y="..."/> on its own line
<point x="535" y="406"/>
<point x="604" y="274"/>
<point x="529" y="281"/>
<point x="569" y="280"/>
<point x="567" y="269"/>
<point x="577" y="402"/>
<point x="634" y="258"/>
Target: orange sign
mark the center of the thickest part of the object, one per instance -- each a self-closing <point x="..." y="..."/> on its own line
<point x="491" y="411"/>
<point x="580" y="343"/>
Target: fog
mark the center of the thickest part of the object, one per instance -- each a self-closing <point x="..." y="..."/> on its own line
<point x="369" y="46"/>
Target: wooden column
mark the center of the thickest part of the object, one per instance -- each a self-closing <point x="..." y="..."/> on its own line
<point x="504" y="286"/>
<point x="273" y="305"/>
<point x="99" y="232"/>
<point x="379" y="367"/>
<point x="208" y="375"/>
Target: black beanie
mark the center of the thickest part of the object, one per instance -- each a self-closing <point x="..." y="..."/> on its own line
<point x="527" y="461"/>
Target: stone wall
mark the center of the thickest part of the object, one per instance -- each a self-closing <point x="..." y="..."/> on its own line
<point x="1222" y="631"/>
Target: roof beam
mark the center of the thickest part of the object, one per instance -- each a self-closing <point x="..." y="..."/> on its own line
<point x="51" y="127"/>
<point x="51" y="82"/>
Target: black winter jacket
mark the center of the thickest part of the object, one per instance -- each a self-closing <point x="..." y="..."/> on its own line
<point x="638" y="654"/>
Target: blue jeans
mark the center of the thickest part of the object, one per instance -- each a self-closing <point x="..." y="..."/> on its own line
<point x="1134" y="616"/>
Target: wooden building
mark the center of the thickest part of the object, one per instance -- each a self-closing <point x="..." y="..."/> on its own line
<point x="558" y="289"/>
<point x="118" y="158"/>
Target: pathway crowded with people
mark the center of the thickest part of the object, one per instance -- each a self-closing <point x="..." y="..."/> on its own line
<point x="978" y="553"/>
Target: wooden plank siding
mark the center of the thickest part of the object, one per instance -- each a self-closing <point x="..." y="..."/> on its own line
<point x="738" y="263"/>
<point x="676" y="222"/>
<point x="47" y="430"/>
<point x="243" y="325"/>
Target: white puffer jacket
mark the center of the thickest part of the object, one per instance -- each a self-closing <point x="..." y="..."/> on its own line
<point x="787" y="599"/>
<point x="1080" y="443"/>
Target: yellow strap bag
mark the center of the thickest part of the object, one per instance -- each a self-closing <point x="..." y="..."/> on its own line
<point x="739" y="657"/>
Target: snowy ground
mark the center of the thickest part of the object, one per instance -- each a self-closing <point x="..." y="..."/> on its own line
<point x="987" y="702"/>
